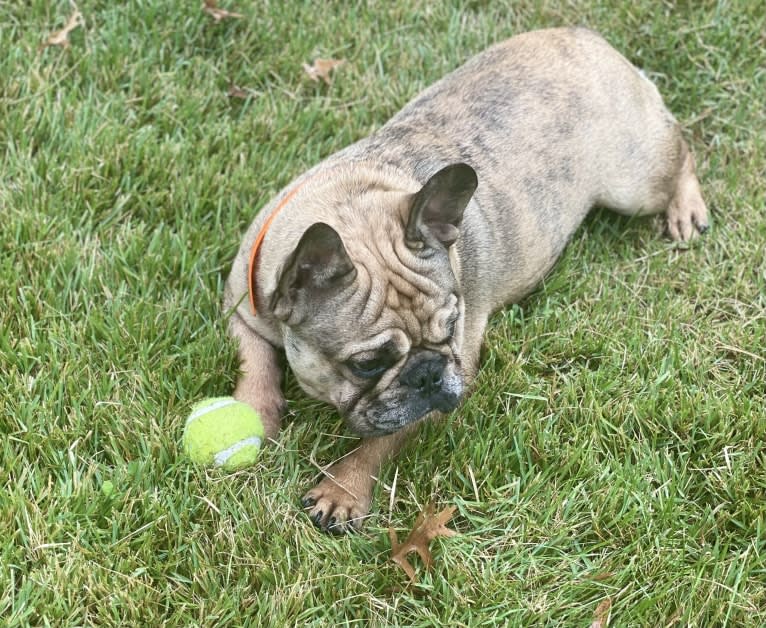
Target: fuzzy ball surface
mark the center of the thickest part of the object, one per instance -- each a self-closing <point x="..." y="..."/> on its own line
<point x="224" y="432"/>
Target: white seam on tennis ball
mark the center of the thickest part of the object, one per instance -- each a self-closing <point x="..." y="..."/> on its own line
<point x="222" y="403"/>
<point x="222" y="456"/>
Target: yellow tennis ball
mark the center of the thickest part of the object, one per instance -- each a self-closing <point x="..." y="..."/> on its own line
<point x="224" y="432"/>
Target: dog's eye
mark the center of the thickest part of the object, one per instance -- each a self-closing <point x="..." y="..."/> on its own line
<point x="367" y="369"/>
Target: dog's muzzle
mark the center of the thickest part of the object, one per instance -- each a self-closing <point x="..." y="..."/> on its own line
<point x="424" y="375"/>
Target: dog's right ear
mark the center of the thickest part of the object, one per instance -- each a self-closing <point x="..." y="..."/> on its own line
<point x="317" y="267"/>
<point x="437" y="209"/>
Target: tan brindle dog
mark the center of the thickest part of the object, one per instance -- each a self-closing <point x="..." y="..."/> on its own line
<point x="376" y="271"/>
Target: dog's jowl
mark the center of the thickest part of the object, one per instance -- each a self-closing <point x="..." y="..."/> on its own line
<point x="376" y="271"/>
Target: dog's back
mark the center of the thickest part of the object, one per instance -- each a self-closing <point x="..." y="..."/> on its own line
<point x="554" y="122"/>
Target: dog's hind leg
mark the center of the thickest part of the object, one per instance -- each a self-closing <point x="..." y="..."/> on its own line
<point x="664" y="179"/>
<point x="687" y="213"/>
<point x="648" y="168"/>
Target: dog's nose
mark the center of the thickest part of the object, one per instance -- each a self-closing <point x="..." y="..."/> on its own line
<point x="423" y="374"/>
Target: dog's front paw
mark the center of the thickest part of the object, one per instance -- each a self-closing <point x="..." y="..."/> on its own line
<point x="340" y="502"/>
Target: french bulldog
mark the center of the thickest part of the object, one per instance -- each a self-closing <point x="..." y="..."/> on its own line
<point x="376" y="271"/>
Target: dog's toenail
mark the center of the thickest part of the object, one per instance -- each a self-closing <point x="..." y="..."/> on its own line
<point x="336" y="527"/>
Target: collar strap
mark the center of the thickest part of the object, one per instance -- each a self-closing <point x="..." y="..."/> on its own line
<point x="253" y="267"/>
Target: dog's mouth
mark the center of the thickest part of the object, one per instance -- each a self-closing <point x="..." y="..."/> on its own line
<point x="445" y="402"/>
<point x="404" y="407"/>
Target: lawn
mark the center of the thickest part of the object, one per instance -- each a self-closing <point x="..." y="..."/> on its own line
<point x="611" y="463"/>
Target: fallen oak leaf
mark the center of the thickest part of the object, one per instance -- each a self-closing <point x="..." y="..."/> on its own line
<point x="235" y="91"/>
<point x="601" y="615"/>
<point x="427" y="527"/>
<point x="211" y="8"/>
<point x="321" y="69"/>
<point x="61" y="37"/>
<point x="399" y="556"/>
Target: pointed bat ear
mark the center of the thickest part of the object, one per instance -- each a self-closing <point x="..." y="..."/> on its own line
<point x="437" y="209"/>
<point x="317" y="266"/>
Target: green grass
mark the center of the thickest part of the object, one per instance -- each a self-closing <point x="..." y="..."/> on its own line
<point x="615" y="447"/>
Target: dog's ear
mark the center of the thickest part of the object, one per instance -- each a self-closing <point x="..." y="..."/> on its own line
<point x="437" y="209"/>
<point x="318" y="266"/>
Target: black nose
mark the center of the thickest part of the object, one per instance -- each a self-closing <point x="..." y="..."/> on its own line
<point x="423" y="374"/>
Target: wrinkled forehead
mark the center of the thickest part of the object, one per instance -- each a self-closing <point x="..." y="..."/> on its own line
<point x="395" y="282"/>
<point x="417" y="309"/>
<point x="384" y="306"/>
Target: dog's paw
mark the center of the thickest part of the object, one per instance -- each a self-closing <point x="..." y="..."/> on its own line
<point x="687" y="215"/>
<point x="686" y="221"/>
<point x="339" y="503"/>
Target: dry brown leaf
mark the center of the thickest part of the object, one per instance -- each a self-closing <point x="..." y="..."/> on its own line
<point x="427" y="527"/>
<point x="235" y="91"/>
<point x="321" y="69"/>
<point x="601" y="616"/>
<point x="211" y="8"/>
<point x="61" y="38"/>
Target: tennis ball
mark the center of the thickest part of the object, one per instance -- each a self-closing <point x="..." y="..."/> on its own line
<point x="224" y="432"/>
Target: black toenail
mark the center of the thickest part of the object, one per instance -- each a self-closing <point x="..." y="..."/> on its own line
<point x="336" y="528"/>
<point x="308" y="501"/>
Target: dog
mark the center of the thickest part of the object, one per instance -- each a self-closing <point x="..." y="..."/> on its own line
<point x="376" y="271"/>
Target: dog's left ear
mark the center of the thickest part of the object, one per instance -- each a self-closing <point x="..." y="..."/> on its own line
<point x="437" y="209"/>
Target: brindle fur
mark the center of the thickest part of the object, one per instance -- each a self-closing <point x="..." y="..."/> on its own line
<point x="553" y="123"/>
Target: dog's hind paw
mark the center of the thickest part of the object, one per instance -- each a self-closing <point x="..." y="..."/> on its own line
<point x="687" y="215"/>
<point x="686" y="222"/>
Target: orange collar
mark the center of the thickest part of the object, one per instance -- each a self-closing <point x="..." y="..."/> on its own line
<point x="253" y="267"/>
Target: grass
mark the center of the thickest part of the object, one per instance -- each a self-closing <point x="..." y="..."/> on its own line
<point x="614" y="449"/>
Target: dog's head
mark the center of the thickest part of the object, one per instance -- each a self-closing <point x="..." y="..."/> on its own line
<point x="371" y="310"/>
